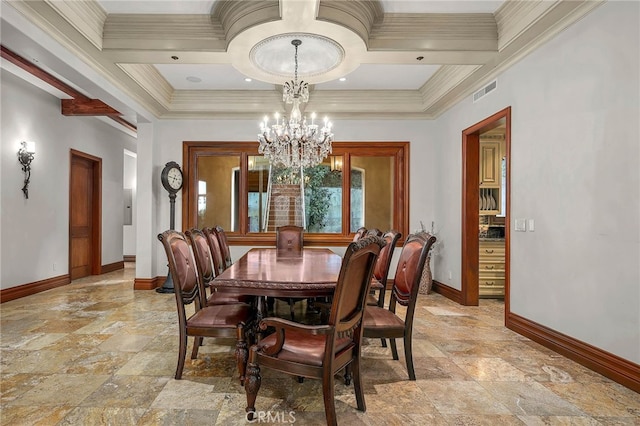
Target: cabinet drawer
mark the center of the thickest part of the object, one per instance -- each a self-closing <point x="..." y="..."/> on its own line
<point x="492" y="283"/>
<point x="491" y="275"/>
<point x="491" y="288"/>
<point x="491" y="265"/>
<point x="492" y="251"/>
<point x="491" y="292"/>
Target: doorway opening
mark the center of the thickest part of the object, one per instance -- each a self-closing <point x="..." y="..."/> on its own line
<point x="479" y="198"/>
<point x="85" y="215"/>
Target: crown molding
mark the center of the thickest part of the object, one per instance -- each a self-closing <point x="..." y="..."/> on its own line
<point x="443" y="82"/>
<point x="237" y="16"/>
<point x="359" y="16"/>
<point x="390" y="102"/>
<point x="515" y="17"/>
<point x="163" y="32"/>
<point x="254" y="102"/>
<point x="87" y="17"/>
<point x="148" y="77"/>
<point x="430" y="31"/>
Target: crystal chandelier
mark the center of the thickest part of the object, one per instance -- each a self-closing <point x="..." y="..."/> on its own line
<point x="294" y="142"/>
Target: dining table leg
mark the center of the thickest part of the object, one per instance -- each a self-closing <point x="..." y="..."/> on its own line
<point x="253" y="328"/>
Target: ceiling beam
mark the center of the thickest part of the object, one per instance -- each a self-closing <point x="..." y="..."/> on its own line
<point x="80" y="104"/>
<point x="87" y="107"/>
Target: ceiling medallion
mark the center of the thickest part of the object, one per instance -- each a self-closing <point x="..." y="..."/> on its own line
<point x="320" y="55"/>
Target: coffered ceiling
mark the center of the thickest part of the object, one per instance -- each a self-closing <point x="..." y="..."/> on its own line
<point x="194" y="59"/>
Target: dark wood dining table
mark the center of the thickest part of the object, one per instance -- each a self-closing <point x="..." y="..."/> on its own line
<point x="312" y="272"/>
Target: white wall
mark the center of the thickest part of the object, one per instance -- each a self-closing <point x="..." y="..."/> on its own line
<point x="575" y="166"/>
<point x="35" y="231"/>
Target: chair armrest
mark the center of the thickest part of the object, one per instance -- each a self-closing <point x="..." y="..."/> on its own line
<point x="281" y="323"/>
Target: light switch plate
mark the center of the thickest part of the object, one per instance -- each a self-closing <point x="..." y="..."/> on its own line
<point x="520" y="225"/>
<point x="531" y="225"/>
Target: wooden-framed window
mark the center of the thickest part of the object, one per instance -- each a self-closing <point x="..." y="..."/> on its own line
<point x="359" y="184"/>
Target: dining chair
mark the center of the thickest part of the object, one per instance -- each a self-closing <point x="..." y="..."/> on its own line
<point x="224" y="246"/>
<point x="219" y="264"/>
<point x="206" y="262"/>
<point x="320" y="351"/>
<point x="374" y="231"/>
<point x="207" y="321"/>
<point x="359" y="233"/>
<point x="290" y="239"/>
<point x="381" y="270"/>
<point x="384" y="323"/>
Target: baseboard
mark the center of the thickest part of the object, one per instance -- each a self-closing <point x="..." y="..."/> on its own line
<point x="112" y="267"/>
<point x="148" y="283"/>
<point x="33" y="288"/>
<point x="609" y="365"/>
<point x="448" y="292"/>
<point x="129" y="258"/>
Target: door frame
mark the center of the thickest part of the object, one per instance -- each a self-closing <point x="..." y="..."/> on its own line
<point x="471" y="207"/>
<point x="96" y="211"/>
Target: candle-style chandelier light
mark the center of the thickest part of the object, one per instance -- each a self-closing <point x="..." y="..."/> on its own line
<point x="294" y="142"/>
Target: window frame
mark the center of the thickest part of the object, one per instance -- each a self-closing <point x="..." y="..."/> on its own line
<point x="191" y="150"/>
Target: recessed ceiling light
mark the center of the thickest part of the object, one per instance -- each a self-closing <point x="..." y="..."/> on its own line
<point x="343" y="78"/>
<point x="194" y="79"/>
<point x="248" y="80"/>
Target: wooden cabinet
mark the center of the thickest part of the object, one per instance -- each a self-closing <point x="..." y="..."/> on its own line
<point x="490" y="162"/>
<point x="490" y="176"/>
<point x="491" y="271"/>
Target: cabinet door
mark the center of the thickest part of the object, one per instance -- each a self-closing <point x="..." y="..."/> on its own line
<point x="490" y="164"/>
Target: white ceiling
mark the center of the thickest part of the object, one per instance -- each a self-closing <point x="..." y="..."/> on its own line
<point x="191" y="59"/>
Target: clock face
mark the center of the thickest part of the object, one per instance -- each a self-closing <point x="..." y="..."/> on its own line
<point x="174" y="178"/>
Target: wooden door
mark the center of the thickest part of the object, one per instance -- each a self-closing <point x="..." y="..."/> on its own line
<point x="84" y="215"/>
<point x="470" y="200"/>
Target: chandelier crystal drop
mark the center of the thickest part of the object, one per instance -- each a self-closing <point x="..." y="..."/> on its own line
<point x="294" y="142"/>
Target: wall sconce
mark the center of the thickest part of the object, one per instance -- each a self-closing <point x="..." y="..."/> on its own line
<point x="25" y="156"/>
<point x="336" y="163"/>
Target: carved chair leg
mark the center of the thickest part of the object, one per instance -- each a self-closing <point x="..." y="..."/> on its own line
<point x="196" y="345"/>
<point x="394" y="349"/>
<point x="300" y="379"/>
<point x="182" y="353"/>
<point x="252" y="383"/>
<point x="329" y="401"/>
<point x="384" y="342"/>
<point x="241" y="352"/>
<point x="357" y="384"/>
<point x="347" y="375"/>
<point x="408" y="356"/>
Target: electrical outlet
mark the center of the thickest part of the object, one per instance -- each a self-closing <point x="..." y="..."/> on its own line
<point x="55" y="266"/>
<point x="450" y="275"/>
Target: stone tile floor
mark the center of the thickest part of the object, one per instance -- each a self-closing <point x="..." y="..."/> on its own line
<point x="97" y="352"/>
